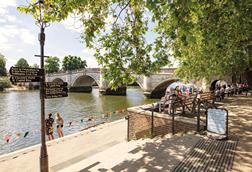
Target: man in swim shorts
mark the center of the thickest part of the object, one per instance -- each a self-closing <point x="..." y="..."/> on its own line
<point x="49" y="126"/>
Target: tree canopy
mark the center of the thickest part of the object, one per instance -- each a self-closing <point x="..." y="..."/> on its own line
<point x="22" y="63"/>
<point x="52" y="64"/>
<point x="73" y="63"/>
<point x="2" y="65"/>
<point x="208" y="37"/>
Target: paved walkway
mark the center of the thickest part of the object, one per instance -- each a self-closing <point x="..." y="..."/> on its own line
<point x="240" y="124"/>
<point x="104" y="148"/>
<point x="68" y="150"/>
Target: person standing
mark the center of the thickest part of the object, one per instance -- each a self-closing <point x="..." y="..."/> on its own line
<point x="59" y="124"/>
<point x="49" y="126"/>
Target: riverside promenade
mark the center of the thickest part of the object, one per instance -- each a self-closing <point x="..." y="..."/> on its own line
<point x="104" y="148"/>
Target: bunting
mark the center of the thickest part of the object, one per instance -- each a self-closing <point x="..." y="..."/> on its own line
<point x="17" y="135"/>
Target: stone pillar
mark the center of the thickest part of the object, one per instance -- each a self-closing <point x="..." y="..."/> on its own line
<point x="68" y="79"/>
<point x="103" y="85"/>
<point x="104" y="88"/>
<point x="147" y="86"/>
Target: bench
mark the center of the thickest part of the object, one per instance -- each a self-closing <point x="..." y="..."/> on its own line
<point x="206" y="99"/>
<point x="185" y="104"/>
<point x="189" y="104"/>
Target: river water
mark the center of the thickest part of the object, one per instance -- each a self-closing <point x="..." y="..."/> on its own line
<point x="20" y="113"/>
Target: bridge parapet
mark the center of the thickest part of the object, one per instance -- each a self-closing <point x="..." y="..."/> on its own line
<point x="166" y="70"/>
<point x="78" y="79"/>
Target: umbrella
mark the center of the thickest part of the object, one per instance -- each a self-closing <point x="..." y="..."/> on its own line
<point x="174" y="85"/>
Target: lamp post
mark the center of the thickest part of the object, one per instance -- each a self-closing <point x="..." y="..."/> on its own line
<point x="43" y="150"/>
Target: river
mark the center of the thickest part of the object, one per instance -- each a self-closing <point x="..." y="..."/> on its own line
<point x="20" y="113"/>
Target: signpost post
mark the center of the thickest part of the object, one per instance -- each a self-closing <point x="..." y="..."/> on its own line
<point x="47" y="90"/>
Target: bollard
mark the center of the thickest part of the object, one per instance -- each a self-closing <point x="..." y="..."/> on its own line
<point x="152" y="121"/>
<point x="173" y="129"/>
<point x="198" y="118"/>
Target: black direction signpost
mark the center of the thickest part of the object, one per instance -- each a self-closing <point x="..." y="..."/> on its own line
<point x="56" y="90"/>
<point x="18" y="71"/>
<point x="25" y="74"/>
<point x="15" y="79"/>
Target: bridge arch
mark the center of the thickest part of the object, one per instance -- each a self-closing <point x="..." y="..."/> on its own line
<point x="84" y="83"/>
<point x="57" y="80"/>
<point x="159" y="89"/>
<point x="219" y="82"/>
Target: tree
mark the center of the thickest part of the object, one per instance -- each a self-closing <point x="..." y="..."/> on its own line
<point x="2" y="66"/>
<point x="22" y="63"/>
<point x="73" y="63"/>
<point x="208" y="37"/>
<point x="52" y="64"/>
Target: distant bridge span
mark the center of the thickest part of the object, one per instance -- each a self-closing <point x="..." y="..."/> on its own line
<point x="153" y="86"/>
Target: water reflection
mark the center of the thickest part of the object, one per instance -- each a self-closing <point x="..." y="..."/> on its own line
<point x="20" y="112"/>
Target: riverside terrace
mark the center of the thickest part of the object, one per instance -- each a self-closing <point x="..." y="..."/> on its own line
<point x="104" y="148"/>
<point x="171" y="116"/>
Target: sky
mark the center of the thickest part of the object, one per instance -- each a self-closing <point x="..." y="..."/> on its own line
<point x="19" y="37"/>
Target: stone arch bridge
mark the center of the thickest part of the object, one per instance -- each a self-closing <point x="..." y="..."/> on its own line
<point x="153" y="86"/>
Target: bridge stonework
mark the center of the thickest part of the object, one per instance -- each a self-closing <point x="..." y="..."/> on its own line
<point x="153" y="86"/>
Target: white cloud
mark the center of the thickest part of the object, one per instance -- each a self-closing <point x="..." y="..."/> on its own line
<point x="10" y="34"/>
<point x="4" y="13"/>
<point x="11" y="18"/>
<point x="27" y="37"/>
<point x="92" y="63"/>
<point x="8" y="3"/>
<point x="88" y="51"/>
<point x="73" y="23"/>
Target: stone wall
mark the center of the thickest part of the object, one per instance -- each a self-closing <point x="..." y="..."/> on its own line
<point x="139" y="123"/>
<point x="120" y="91"/>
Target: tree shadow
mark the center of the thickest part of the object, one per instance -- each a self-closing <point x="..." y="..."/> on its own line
<point x="158" y="155"/>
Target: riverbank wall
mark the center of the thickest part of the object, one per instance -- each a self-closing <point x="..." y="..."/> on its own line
<point x="140" y="123"/>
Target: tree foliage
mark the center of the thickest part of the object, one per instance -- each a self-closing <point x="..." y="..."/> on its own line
<point x="208" y="37"/>
<point x="2" y="66"/>
<point x="22" y="63"/>
<point x="52" y="64"/>
<point x="5" y="82"/>
<point x="73" y="63"/>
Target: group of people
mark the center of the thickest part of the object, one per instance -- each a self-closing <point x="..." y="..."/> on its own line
<point x="50" y="125"/>
<point x="230" y="90"/>
<point x="170" y="95"/>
